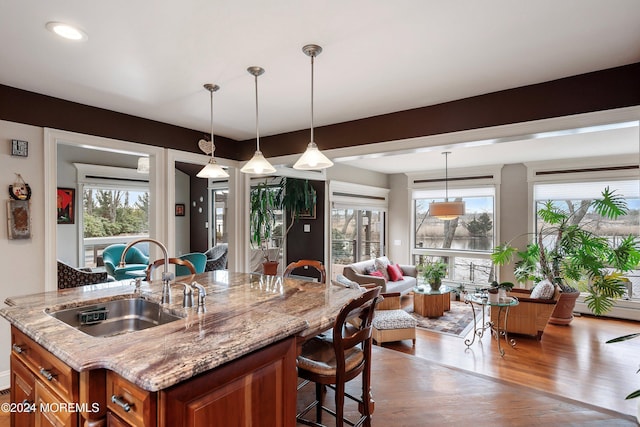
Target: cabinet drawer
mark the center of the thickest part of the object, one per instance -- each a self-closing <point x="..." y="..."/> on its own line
<point x="48" y="368"/>
<point x="131" y="403"/>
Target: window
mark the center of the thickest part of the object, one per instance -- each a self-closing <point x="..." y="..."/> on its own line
<point x="464" y="243"/>
<point x="115" y="208"/>
<point x="358" y="222"/>
<point x="576" y="196"/>
<point x="219" y="211"/>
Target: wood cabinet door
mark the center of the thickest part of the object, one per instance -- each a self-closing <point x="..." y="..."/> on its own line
<point x="257" y="390"/>
<point x="23" y="384"/>
<point x="52" y="410"/>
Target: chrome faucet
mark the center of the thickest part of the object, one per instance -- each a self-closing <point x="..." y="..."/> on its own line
<point x="187" y="301"/>
<point x="167" y="276"/>
<point x="202" y="293"/>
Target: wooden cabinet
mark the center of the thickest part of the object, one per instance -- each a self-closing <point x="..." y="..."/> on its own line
<point x="23" y="391"/>
<point x="38" y="377"/>
<point x="256" y="390"/>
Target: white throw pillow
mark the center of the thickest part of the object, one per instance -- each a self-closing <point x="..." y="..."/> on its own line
<point x="543" y="290"/>
<point x="381" y="265"/>
<point x="346" y="282"/>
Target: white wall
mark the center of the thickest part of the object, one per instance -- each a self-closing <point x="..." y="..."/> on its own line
<point x="21" y="260"/>
<point x="344" y="173"/>
<point x="183" y="223"/>
<point x="513" y="212"/>
<point x="399" y="245"/>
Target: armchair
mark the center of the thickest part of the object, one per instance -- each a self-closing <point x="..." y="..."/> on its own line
<point x="217" y="257"/>
<point x="71" y="277"/>
<point x="136" y="262"/>
<point x="531" y="315"/>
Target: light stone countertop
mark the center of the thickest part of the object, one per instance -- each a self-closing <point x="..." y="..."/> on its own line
<point x="244" y="313"/>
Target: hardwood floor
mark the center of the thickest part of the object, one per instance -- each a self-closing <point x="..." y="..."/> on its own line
<point x="570" y="377"/>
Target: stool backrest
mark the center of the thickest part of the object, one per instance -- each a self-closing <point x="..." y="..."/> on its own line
<point x="346" y="335"/>
<point x="176" y="261"/>
<point x="307" y="263"/>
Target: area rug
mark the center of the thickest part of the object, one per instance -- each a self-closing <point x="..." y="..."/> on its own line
<point x="457" y="322"/>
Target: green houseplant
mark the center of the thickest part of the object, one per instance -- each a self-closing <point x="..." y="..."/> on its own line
<point x="567" y="252"/>
<point x="294" y="196"/>
<point x="433" y="272"/>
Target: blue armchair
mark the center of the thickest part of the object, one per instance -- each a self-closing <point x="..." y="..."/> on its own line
<point x="136" y="262"/>
<point x="199" y="261"/>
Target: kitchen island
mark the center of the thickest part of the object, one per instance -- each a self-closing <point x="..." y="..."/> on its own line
<point x="235" y="361"/>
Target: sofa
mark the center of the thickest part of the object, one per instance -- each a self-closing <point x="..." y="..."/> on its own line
<point x="360" y="272"/>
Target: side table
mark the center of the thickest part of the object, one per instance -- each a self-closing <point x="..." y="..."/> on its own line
<point x="430" y="303"/>
<point x="498" y="329"/>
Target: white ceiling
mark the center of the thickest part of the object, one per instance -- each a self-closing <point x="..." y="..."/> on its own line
<point x="150" y="58"/>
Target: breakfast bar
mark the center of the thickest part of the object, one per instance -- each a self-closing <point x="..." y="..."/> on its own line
<point x="237" y="359"/>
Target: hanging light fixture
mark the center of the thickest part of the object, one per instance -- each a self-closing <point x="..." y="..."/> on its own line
<point x="312" y="158"/>
<point x="258" y="164"/>
<point x="446" y="210"/>
<point x="211" y="169"/>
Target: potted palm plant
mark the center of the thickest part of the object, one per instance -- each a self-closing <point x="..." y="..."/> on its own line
<point x="262" y="220"/>
<point x="568" y="253"/>
<point x="292" y="195"/>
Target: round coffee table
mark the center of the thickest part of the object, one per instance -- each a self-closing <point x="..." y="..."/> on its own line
<point x="430" y="303"/>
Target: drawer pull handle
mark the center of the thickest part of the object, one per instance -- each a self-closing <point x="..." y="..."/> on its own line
<point x="17" y="348"/>
<point x="47" y="374"/>
<point x="28" y="406"/>
<point x="120" y="402"/>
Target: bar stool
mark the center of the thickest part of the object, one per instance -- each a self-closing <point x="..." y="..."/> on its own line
<point x="306" y="264"/>
<point x="333" y="361"/>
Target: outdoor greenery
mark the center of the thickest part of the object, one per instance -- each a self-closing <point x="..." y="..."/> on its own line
<point x="566" y="251"/>
<point x="110" y="213"/>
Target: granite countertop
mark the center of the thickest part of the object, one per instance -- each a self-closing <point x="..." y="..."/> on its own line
<point x="244" y="312"/>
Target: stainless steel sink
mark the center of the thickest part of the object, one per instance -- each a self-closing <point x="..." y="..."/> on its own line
<point x="115" y="317"/>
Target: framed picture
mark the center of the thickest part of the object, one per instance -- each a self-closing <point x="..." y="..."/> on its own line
<point x="66" y="205"/>
<point x="309" y="214"/>
<point x="179" y="209"/>
<point x="18" y="219"/>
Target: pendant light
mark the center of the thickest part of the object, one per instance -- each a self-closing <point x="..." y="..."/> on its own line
<point x="312" y="158"/>
<point x="211" y="169"/>
<point x="446" y="210"/>
<point x="258" y="164"/>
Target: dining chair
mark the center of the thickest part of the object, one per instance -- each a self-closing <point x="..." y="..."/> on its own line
<point x="335" y="360"/>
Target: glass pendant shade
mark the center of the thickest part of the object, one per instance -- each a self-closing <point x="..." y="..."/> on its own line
<point x="211" y="169"/>
<point x="312" y="158"/>
<point x="143" y="165"/>
<point x="446" y="210"/>
<point x="258" y="165"/>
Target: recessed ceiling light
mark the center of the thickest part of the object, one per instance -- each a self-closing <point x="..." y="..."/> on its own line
<point x="67" y="31"/>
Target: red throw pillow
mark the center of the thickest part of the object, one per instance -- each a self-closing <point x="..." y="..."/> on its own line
<point x="395" y="272"/>
<point x="378" y="273"/>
